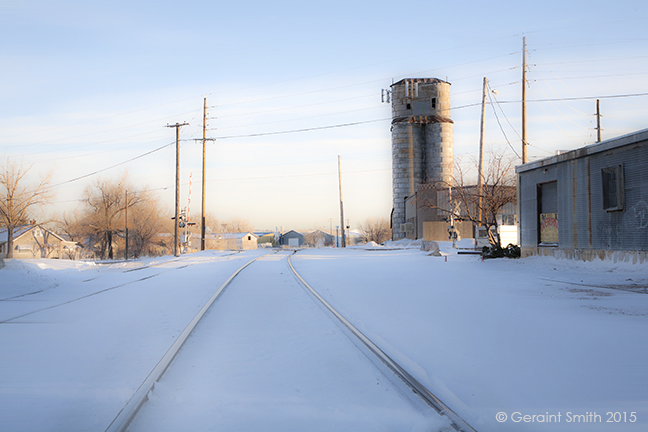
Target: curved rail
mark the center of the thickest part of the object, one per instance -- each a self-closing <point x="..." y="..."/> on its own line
<point x="458" y="423"/>
<point x="129" y="411"/>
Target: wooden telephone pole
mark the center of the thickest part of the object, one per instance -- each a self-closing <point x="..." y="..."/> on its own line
<point x="342" y="237"/>
<point x="126" y="229"/>
<point x="480" y="174"/>
<point x="202" y="214"/>
<point x="524" y="119"/>
<point x="176" y="249"/>
<point x="204" y="139"/>
<point x="598" y="121"/>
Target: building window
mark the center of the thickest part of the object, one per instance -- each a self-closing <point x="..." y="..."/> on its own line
<point x="613" y="188"/>
<point x="433" y="103"/>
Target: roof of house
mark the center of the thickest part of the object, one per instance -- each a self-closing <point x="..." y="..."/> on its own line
<point x="21" y="230"/>
<point x="231" y="235"/>
<point x="319" y="230"/>
<point x="292" y="231"/>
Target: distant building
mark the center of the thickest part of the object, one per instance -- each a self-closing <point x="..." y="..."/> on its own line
<point x="234" y="241"/>
<point x="427" y="216"/>
<point x="35" y="241"/>
<point x="319" y="238"/>
<point x="266" y="239"/>
<point x="587" y="203"/>
<point x="292" y="239"/>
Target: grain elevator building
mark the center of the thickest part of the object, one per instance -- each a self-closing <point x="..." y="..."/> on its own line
<point x="421" y="141"/>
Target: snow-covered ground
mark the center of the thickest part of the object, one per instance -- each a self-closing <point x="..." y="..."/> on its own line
<point x="536" y="337"/>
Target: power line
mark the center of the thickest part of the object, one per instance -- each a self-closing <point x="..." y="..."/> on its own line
<point x="498" y="121"/>
<point x="298" y="118"/>
<point x="580" y="98"/>
<point x="302" y="130"/>
<point x="112" y="166"/>
<point x="298" y="175"/>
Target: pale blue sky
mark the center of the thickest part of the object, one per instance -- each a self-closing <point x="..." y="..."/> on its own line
<point x="88" y="85"/>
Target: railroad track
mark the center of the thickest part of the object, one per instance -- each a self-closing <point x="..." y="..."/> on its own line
<point x="457" y="422"/>
<point x="129" y="412"/>
<point x="129" y="282"/>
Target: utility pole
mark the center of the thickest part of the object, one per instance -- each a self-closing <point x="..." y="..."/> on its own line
<point x="524" y="119"/>
<point x="480" y="174"/>
<point x="126" y="248"/>
<point x="203" y="232"/>
<point x="342" y="238"/>
<point x="598" y="121"/>
<point x="177" y="126"/>
<point x="204" y="139"/>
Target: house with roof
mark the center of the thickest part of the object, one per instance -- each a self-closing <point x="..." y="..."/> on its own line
<point x="291" y="238"/>
<point x="235" y="241"/>
<point x="36" y="241"/>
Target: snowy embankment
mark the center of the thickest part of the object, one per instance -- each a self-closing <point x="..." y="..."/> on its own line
<point x="536" y="336"/>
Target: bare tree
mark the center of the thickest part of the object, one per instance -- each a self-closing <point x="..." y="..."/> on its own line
<point x="17" y="199"/>
<point x="212" y="223"/>
<point x="483" y="206"/>
<point x="237" y="225"/>
<point x="462" y="200"/>
<point x="105" y="203"/>
<point x="146" y="221"/>
<point x="375" y="229"/>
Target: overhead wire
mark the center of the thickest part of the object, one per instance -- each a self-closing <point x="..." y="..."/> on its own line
<point x="556" y="108"/>
<point x="298" y="118"/>
<point x="554" y="91"/>
<point x="301" y="130"/>
<point x="552" y="120"/>
<point x="112" y="166"/>
<point x="498" y="121"/>
<point x="313" y="128"/>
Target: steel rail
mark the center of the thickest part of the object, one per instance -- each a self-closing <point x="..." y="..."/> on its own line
<point x="96" y="292"/>
<point x="123" y="419"/>
<point x="458" y="423"/>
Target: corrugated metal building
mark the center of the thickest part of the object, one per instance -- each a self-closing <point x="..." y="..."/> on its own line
<point x="587" y="203"/>
<point x="292" y="239"/>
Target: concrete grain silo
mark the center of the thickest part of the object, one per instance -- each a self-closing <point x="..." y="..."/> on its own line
<point x="421" y="140"/>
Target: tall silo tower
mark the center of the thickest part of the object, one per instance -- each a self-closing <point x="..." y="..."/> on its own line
<point x="421" y="140"/>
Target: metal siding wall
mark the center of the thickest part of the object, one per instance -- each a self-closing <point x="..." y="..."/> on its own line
<point x="583" y="223"/>
<point x="527" y="205"/>
<point x="627" y="229"/>
<point x="581" y="228"/>
<point x="565" y="174"/>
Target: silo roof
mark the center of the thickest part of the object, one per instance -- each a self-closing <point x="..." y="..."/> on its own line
<point x="422" y="80"/>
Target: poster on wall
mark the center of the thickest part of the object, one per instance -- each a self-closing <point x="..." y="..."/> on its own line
<point x="549" y="228"/>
